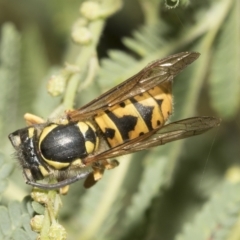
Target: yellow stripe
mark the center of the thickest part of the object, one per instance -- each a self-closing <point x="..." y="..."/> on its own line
<point x="57" y="165"/>
<point x="45" y="132"/>
<point x="160" y="113"/>
<point x="103" y="122"/>
<point x="164" y="93"/>
<point x="30" y="132"/>
<point x="130" y="109"/>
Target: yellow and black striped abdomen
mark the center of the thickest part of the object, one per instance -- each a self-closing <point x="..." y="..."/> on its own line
<point x="137" y="115"/>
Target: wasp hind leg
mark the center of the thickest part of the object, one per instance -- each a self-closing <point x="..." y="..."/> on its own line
<point x="98" y="171"/>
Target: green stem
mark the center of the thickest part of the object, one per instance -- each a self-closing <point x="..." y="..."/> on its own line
<point x="82" y="61"/>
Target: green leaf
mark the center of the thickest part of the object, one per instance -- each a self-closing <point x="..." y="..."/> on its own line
<point x="152" y="178"/>
<point x="5" y="222"/>
<point x="26" y="226"/>
<point x="3" y="185"/>
<point x="6" y="169"/>
<point x="9" y="77"/>
<point x="20" y="234"/>
<point x="38" y="208"/>
<point x="225" y="75"/>
<point x="34" y="67"/>
<point x="14" y="223"/>
<point x="142" y="45"/>
<point x="15" y="213"/>
<point x="217" y="216"/>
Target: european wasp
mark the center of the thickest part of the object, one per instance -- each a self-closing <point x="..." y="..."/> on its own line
<point x="128" y="118"/>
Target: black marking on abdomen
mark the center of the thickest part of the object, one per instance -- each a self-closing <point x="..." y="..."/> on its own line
<point x="124" y="124"/>
<point x="122" y="104"/>
<point x="146" y="112"/>
<point x="109" y="133"/>
<point x="159" y="101"/>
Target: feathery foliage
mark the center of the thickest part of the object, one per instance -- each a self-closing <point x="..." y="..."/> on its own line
<point x="219" y="214"/>
<point x="151" y="195"/>
<point x="227" y="52"/>
<point x="14" y="222"/>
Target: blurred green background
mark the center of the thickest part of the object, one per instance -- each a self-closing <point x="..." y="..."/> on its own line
<point x="184" y="190"/>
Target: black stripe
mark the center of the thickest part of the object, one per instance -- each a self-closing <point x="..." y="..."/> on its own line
<point x="146" y="112"/>
<point x="159" y="101"/>
<point x="124" y="124"/>
<point x="109" y="133"/>
<point x="122" y="104"/>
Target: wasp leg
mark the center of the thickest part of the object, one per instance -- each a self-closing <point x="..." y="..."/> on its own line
<point x="64" y="190"/>
<point x="110" y="164"/>
<point x="100" y="167"/>
<point x="98" y="171"/>
<point x="95" y="175"/>
<point x="32" y="119"/>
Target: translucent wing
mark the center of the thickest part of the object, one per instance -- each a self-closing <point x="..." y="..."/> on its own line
<point x="168" y="133"/>
<point x="154" y="74"/>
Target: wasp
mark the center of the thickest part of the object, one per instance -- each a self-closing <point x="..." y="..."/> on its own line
<point x="128" y="118"/>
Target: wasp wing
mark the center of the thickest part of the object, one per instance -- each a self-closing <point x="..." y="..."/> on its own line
<point x="152" y="75"/>
<point x="168" y="133"/>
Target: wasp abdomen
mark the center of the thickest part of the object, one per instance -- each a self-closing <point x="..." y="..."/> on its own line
<point x="137" y="115"/>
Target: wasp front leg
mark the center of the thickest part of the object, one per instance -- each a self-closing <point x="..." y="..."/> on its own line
<point x="32" y="119"/>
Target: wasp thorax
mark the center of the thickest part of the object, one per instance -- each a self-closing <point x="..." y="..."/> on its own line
<point x="60" y="145"/>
